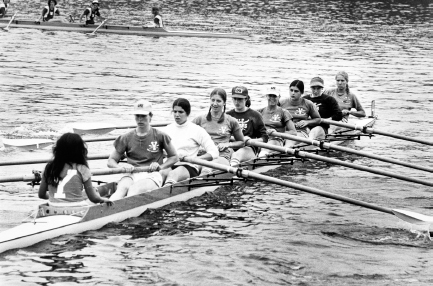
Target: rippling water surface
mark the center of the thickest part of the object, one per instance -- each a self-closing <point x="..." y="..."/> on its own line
<point x="254" y="233"/>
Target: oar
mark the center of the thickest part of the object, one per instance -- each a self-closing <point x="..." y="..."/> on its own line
<point x="103" y="128"/>
<point x="95" y="172"/>
<point x="370" y="130"/>
<point x="47" y="159"/>
<point x="7" y="27"/>
<point x="407" y="216"/>
<point x="301" y="154"/>
<point x="93" y="34"/>
<point x="325" y="145"/>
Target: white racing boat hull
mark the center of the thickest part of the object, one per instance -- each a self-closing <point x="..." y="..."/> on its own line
<point x="46" y="227"/>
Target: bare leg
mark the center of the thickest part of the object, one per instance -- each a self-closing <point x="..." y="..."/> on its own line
<point x="292" y="143"/>
<point x="177" y="175"/>
<point x="242" y="155"/>
<point x="142" y="186"/>
<point x="264" y="151"/>
<point x="122" y="188"/>
<point x="219" y="160"/>
<point x="317" y="133"/>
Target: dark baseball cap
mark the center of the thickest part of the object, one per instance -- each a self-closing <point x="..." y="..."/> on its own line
<point x="239" y="92"/>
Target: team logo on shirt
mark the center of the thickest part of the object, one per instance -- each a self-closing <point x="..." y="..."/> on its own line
<point x="153" y="147"/>
<point x="300" y="111"/>
<point x="243" y="123"/>
<point x="276" y="118"/>
<point x="223" y="130"/>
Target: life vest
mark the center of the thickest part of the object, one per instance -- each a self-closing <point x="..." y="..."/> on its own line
<point x="50" y="13"/>
<point x="158" y="21"/>
<point x="92" y="14"/>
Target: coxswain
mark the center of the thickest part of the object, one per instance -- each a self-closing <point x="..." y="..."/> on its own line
<point x="91" y="12"/>
<point x="4" y="7"/>
<point x="327" y="106"/>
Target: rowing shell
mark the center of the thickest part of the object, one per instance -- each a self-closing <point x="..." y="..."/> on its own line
<point x="50" y="222"/>
<point x="113" y="29"/>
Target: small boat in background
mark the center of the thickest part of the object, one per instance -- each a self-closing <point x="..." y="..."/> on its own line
<point x="115" y="29"/>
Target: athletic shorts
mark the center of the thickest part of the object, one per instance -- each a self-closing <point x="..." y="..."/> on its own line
<point x="278" y="140"/>
<point x="154" y="176"/>
<point x="227" y="153"/>
<point x="191" y="170"/>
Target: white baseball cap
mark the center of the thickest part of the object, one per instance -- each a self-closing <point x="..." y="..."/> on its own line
<point x="273" y="90"/>
<point x="142" y="107"/>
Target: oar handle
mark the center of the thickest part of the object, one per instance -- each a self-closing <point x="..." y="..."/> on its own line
<point x="111" y="171"/>
<point x="249" y="174"/>
<point x="156" y="124"/>
<point x="301" y="154"/>
<point x="48" y="159"/>
<point x="369" y="130"/>
<point x="326" y="145"/>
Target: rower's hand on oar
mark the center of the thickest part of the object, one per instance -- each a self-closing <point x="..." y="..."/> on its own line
<point x="128" y="168"/>
<point x="181" y="154"/>
<point x="223" y="146"/>
<point x="107" y="201"/>
<point x="270" y="131"/>
<point x="345" y="112"/>
<point x="154" y="167"/>
<point x="301" y="124"/>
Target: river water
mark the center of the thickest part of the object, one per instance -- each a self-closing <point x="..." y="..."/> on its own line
<point x="255" y="233"/>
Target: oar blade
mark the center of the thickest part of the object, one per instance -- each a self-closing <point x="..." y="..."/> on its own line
<point x="413" y="217"/>
<point x="91" y="35"/>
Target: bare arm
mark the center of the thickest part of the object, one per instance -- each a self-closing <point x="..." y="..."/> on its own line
<point x="93" y="195"/>
<point x="290" y="128"/>
<point x="171" y="156"/>
<point x="113" y="160"/>
<point x="43" y="190"/>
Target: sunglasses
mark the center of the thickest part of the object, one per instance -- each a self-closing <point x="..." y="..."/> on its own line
<point x="316" y="87"/>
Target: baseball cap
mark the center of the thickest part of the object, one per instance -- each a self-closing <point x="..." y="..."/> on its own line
<point x="95" y="2"/>
<point x="273" y="90"/>
<point x="317" y="81"/>
<point x="239" y="92"/>
<point x="142" y="107"/>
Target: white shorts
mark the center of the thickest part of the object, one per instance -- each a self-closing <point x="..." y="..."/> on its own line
<point x="154" y="176"/>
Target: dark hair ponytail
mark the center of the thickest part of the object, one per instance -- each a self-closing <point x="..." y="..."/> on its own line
<point x="248" y="101"/>
<point x="222" y="93"/>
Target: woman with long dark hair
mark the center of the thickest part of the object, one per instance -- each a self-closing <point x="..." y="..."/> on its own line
<point x="187" y="138"/>
<point x="221" y="127"/>
<point x="303" y="111"/>
<point x="63" y="178"/>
